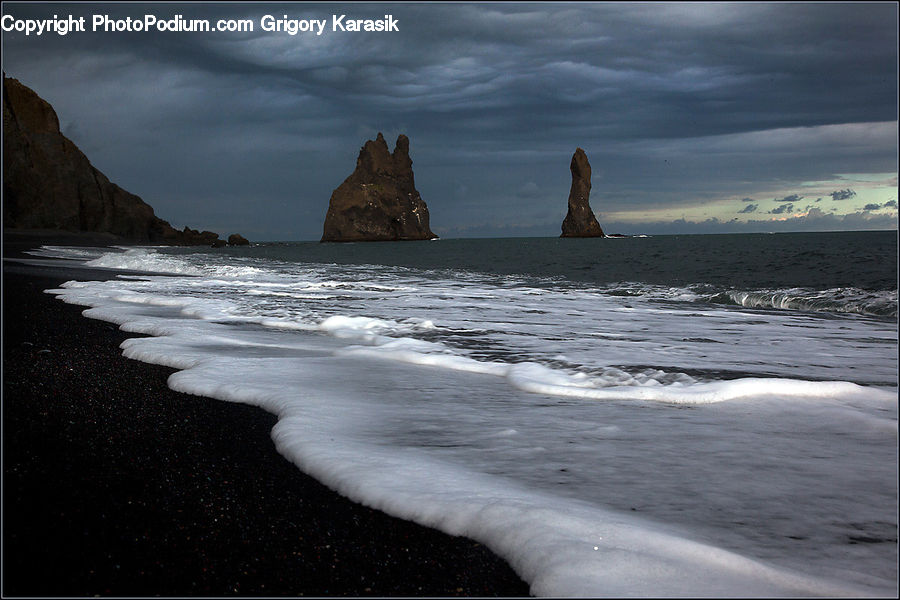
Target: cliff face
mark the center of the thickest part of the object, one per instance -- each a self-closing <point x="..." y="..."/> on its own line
<point x="580" y="220"/>
<point x="48" y="183"/>
<point x="379" y="200"/>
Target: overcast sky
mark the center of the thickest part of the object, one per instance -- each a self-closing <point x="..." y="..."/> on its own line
<point x="695" y="117"/>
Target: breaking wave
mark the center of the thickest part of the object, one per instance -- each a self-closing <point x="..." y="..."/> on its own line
<point x="842" y="300"/>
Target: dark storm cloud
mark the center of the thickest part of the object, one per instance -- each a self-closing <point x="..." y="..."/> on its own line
<point x="784" y="208"/>
<point x="791" y="199"/>
<point x="872" y="207"/>
<point x="890" y="204"/>
<point x="842" y="194"/>
<point x="713" y="99"/>
<point x="747" y="200"/>
<point x="749" y="209"/>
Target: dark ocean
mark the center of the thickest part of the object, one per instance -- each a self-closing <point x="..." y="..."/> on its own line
<point x="851" y="271"/>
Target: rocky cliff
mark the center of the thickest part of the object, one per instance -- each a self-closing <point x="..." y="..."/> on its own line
<point x="48" y="183"/>
<point x="580" y="220"/>
<point x="379" y="200"/>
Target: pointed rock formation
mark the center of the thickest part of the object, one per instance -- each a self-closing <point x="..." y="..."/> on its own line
<point x="379" y="200"/>
<point x="48" y="183"/>
<point x="580" y="220"/>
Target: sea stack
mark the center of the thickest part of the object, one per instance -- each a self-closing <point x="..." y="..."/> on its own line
<point x="379" y="200"/>
<point x="48" y="183"/>
<point x="580" y="220"/>
<point x="236" y="239"/>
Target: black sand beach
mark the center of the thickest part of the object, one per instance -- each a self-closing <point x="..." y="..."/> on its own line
<point x="115" y="485"/>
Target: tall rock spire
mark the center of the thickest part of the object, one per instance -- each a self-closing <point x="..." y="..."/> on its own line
<point x="580" y="220"/>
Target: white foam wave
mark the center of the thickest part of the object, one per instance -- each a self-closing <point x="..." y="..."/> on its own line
<point x="150" y="260"/>
<point x="79" y="253"/>
<point x="562" y="547"/>
<point x="847" y="300"/>
<point x="351" y="390"/>
<point x="371" y="330"/>
<point x="541" y="380"/>
<point x="418" y="352"/>
<point x="840" y="300"/>
<point x="142" y="259"/>
<point x="614" y="384"/>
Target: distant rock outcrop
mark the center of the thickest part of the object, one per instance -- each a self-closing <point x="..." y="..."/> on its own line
<point x="379" y="200"/>
<point x="580" y="220"/>
<point x="48" y="183"/>
<point x="236" y="239"/>
<point x="192" y="237"/>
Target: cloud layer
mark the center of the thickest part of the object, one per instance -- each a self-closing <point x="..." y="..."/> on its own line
<point x="677" y="106"/>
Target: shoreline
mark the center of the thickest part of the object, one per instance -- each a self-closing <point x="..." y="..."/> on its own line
<point x="116" y="485"/>
<point x="16" y="242"/>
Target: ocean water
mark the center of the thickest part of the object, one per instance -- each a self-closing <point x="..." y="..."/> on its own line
<point x="654" y="416"/>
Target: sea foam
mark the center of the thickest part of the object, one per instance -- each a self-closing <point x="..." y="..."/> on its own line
<point x="631" y="458"/>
